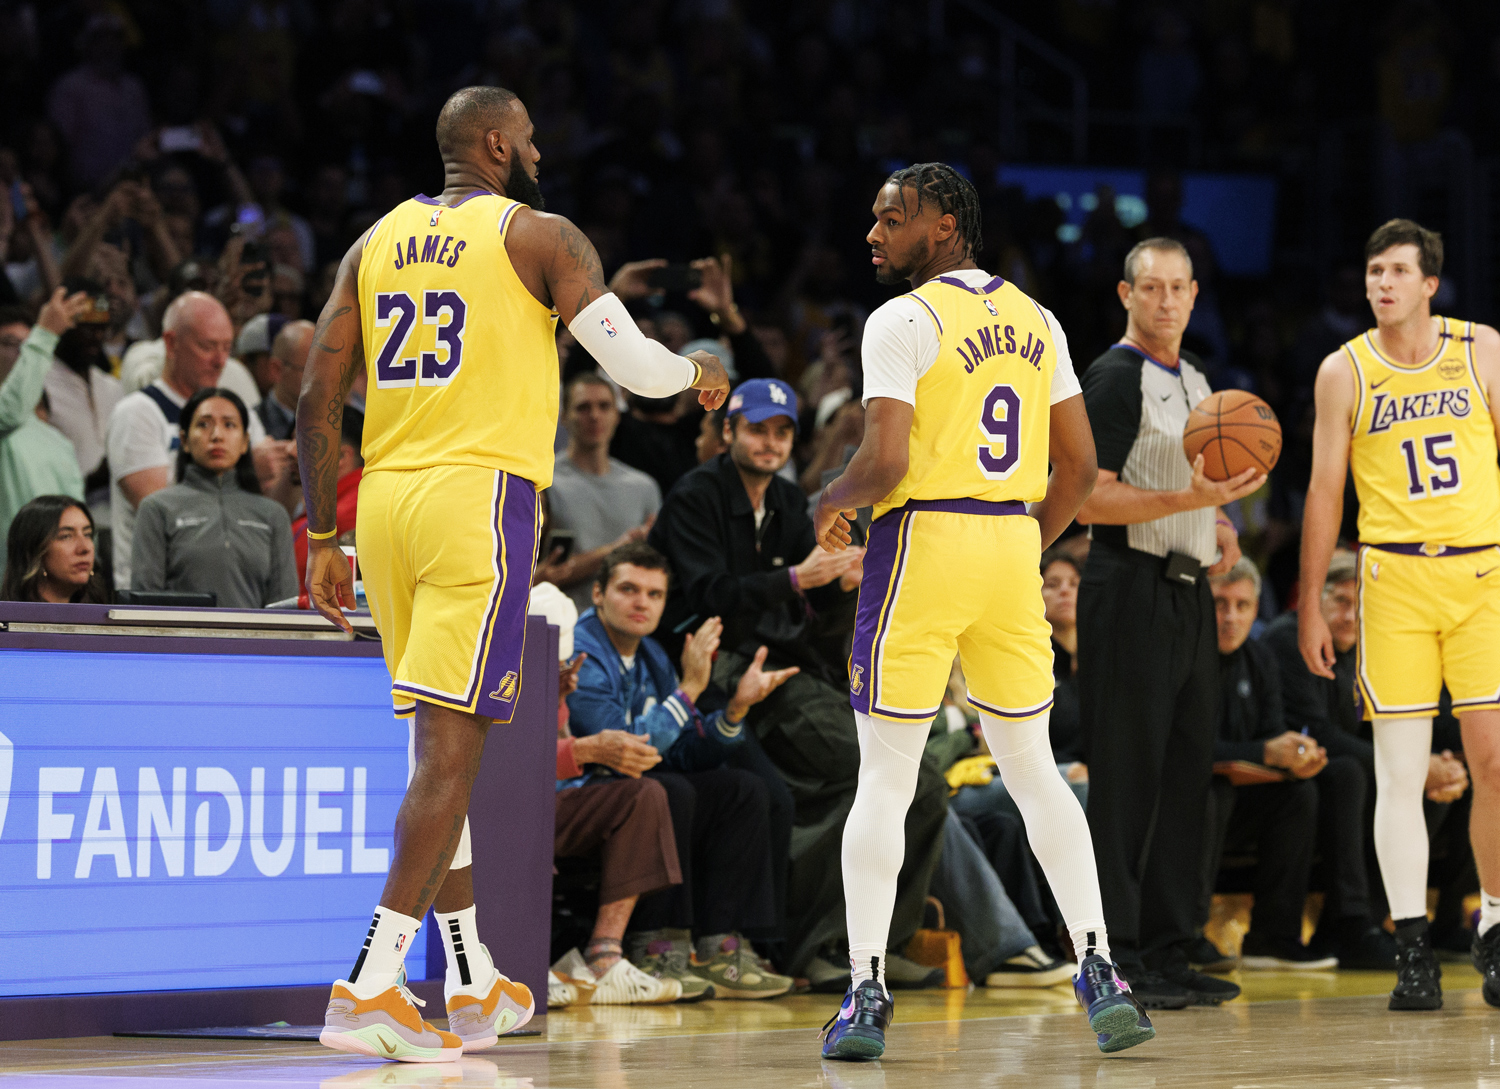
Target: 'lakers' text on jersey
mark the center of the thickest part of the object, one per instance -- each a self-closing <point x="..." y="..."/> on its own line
<point x="952" y="560"/>
<point x="983" y="404"/>
<point x="461" y="356"/>
<point x="1423" y="445"/>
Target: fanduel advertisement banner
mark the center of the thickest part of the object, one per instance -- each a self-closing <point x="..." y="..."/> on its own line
<point x="179" y="822"/>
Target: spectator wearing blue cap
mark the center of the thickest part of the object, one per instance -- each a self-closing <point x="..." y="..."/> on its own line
<point x="741" y="544"/>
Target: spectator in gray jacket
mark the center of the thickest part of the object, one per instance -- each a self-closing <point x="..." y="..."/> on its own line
<point x="213" y="531"/>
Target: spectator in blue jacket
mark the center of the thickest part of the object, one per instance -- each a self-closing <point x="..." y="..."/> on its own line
<point x="720" y="815"/>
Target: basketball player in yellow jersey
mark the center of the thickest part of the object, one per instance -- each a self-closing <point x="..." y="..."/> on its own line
<point x="1410" y="406"/>
<point x="969" y="393"/>
<point x="451" y="303"/>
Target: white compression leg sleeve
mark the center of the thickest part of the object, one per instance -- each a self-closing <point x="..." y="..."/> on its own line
<point x="1055" y="825"/>
<point x="875" y="834"/>
<point x="1403" y="747"/>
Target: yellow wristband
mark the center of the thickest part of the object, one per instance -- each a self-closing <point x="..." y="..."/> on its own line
<point x="311" y="536"/>
<point x="697" y="373"/>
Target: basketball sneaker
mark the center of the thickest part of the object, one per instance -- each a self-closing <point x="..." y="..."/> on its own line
<point x="857" y="1031"/>
<point x="1486" y="953"/>
<point x="386" y="1026"/>
<point x="1114" y="1015"/>
<point x="1419" y="979"/>
<point x="669" y="953"/>
<point x="480" y="1015"/>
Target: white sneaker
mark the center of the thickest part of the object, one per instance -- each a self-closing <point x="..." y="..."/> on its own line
<point x="572" y="969"/>
<point x="559" y="994"/>
<point x="626" y="985"/>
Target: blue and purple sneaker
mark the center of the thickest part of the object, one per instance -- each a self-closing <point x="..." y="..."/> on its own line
<point x="857" y="1031"/>
<point x="1114" y="1015"/>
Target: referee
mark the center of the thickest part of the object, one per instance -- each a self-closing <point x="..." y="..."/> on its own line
<point x="1147" y="650"/>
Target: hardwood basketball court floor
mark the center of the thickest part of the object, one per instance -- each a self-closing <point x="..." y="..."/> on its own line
<point x="1325" y="1030"/>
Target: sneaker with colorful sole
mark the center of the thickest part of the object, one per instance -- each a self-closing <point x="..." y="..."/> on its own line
<point x="386" y="1026"/>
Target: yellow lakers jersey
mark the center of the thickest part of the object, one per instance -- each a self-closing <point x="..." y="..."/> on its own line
<point x="983" y="409"/>
<point x="462" y="359"/>
<point x="1423" y="446"/>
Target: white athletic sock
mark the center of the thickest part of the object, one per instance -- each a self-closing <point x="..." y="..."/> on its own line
<point x="469" y="965"/>
<point x="386" y="944"/>
<point x="1055" y="825"/>
<point x="1402" y="749"/>
<point x="1489" y="912"/>
<point x="875" y="836"/>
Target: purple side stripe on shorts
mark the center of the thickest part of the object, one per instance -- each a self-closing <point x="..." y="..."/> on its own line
<point x="884" y="557"/>
<point x="499" y="680"/>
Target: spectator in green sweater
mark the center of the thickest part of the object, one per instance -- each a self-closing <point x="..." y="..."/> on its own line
<point x="35" y="458"/>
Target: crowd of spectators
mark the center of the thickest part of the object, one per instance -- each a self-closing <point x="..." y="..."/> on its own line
<point x="182" y="179"/>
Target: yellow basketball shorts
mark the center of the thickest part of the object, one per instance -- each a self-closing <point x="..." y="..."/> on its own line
<point x="447" y="555"/>
<point x="951" y="575"/>
<point x="1426" y="620"/>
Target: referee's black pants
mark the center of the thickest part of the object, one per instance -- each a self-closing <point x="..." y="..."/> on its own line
<point x="1148" y="681"/>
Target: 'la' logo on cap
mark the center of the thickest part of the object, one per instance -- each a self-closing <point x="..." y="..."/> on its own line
<point x="778" y="394"/>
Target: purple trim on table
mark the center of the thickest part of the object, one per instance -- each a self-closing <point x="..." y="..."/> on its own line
<point x="1003" y="508"/>
<point x="1417" y="549"/>
<point x="953" y="281"/>
<point x="39" y="613"/>
<point x="513" y="792"/>
<point x="1149" y="359"/>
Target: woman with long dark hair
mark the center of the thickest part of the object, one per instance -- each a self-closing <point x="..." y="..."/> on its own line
<point x="49" y="554"/>
<point x="212" y="531"/>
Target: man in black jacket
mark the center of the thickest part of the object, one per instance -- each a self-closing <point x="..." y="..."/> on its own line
<point x="1280" y="819"/>
<point x="742" y="548"/>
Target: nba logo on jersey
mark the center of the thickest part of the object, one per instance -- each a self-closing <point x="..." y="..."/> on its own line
<point x="506" y="690"/>
<point x="991" y="308"/>
<point x="856" y="680"/>
<point x="608" y="327"/>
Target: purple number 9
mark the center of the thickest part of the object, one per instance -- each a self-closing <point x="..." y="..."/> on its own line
<point x="1000" y="423"/>
<point x="449" y="336"/>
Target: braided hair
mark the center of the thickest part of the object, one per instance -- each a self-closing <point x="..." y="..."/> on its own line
<point x="952" y="193"/>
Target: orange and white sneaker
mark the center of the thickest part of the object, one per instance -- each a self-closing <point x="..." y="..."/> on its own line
<point x="386" y="1026"/>
<point x="480" y="1015"/>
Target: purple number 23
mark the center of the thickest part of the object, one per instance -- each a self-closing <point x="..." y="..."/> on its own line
<point x="398" y="310"/>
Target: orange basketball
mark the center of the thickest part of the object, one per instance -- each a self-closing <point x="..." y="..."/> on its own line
<point x="1234" y="431"/>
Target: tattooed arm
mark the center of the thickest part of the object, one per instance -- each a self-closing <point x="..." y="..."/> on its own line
<point x="336" y="355"/>
<point x="561" y="268"/>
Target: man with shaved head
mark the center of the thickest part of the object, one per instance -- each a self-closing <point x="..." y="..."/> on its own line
<point x="144" y="430"/>
<point x="450" y="303"/>
<point x="278" y="408"/>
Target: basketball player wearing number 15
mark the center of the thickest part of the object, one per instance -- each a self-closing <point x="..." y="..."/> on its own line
<point x="969" y="393"/>
<point x="1410" y="405"/>
<point x="451" y="304"/>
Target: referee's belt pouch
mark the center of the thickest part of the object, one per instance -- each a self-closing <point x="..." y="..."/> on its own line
<point x="1181" y="568"/>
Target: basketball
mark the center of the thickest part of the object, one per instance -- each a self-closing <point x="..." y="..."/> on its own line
<point x="1234" y="431"/>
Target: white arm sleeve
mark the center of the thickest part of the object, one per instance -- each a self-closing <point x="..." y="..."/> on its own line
<point x="608" y="333"/>
<point x="900" y="345"/>
<point x="1064" y="378"/>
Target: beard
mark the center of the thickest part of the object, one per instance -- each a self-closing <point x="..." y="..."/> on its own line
<point x="890" y="273"/>
<point x="522" y="187"/>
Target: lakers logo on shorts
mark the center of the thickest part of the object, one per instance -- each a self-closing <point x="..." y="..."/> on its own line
<point x="856" y="680"/>
<point x="505" y="691"/>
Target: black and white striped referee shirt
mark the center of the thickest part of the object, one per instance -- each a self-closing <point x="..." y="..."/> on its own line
<point x="1138" y="408"/>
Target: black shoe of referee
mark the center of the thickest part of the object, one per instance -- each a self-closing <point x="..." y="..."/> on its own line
<point x="1486" y="952"/>
<point x="1153" y="991"/>
<point x="1419" y="979"/>
<point x="1203" y="990"/>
